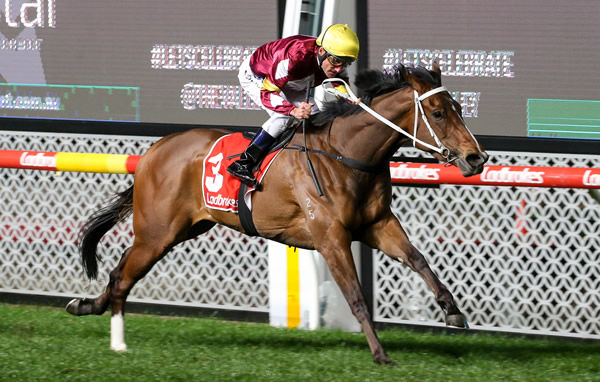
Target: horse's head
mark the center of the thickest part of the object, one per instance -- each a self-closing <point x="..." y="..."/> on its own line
<point x="440" y="128"/>
<point x="413" y="102"/>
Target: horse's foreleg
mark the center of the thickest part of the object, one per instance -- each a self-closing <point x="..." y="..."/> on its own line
<point x="339" y="259"/>
<point x="389" y="236"/>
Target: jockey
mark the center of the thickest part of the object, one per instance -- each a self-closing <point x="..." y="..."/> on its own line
<point x="276" y="76"/>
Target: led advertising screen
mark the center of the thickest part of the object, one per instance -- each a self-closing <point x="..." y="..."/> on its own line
<point x="519" y="68"/>
<point x="135" y="61"/>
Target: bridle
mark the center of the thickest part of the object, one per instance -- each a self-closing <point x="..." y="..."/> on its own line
<point x="441" y="149"/>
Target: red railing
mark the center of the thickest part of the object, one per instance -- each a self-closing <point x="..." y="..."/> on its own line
<point x="527" y="176"/>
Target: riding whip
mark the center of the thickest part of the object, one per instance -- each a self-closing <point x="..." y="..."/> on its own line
<point x="310" y="165"/>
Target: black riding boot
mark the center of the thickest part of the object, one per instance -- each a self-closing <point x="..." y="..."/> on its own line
<point x="254" y="153"/>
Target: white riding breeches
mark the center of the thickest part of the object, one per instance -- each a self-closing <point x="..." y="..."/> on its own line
<point x="252" y="84"/>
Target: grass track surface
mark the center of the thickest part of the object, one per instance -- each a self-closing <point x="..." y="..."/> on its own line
<point x="48" y="344"/>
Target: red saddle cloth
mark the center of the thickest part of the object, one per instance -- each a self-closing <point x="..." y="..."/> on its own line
<point x="220" y="189"/>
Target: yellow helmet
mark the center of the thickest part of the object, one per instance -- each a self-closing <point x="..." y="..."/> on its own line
<point x="339" y="40"/>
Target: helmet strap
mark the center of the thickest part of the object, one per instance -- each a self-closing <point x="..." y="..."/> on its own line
<point x="321" y="57"/>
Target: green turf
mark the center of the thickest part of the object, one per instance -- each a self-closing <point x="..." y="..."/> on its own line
<point x="47" y="344"/>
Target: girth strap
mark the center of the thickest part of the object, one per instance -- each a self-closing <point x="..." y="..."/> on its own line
<point x="245" y="213"/>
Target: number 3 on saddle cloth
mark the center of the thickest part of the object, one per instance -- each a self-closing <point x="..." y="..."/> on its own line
<point x="220" y="189"/>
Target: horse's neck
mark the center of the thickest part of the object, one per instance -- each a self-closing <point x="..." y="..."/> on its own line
<point x="364" y="138"/>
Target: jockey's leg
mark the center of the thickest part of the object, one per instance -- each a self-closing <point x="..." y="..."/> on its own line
<point x="254" y="153"/>
<point x="257" y="149"/>
<point x="271" y="129"/>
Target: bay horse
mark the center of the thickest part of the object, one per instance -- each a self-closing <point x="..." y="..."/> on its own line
<point x="168" y="206"/>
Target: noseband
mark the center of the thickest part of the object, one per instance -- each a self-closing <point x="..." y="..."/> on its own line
<point x="440" y="149"/>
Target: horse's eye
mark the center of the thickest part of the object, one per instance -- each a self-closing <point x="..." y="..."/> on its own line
<point x="437" y="115"/>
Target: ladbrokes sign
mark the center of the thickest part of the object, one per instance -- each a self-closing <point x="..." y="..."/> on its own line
<point x="566" y="177"/>
<point x="506" y="175"/>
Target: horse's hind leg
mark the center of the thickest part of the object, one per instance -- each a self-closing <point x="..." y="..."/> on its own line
<point x="147" y="249"/>
<point x="134" y="264"/>
<point x="389" y="236"/>
<point x="85" y="306"/>
<point x="136" y="261"/>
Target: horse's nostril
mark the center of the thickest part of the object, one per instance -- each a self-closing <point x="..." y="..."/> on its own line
<point x="477" y="159"/>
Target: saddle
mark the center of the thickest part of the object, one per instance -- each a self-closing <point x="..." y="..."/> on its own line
<point x="278" y="143"/>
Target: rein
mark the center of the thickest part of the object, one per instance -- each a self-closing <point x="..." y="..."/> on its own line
<point x="328" y="87"/>
<point x="349" y="162"/>
<point x="440" y="149"/>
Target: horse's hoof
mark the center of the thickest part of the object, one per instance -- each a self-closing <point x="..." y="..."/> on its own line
<point x="119" y="348"/>
<point x="79" y="307"/>
<point x="383" y="359"/>
<point x="457" y="321"/>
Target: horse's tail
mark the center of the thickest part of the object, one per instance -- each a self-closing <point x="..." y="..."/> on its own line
<point x="98" y="224"/>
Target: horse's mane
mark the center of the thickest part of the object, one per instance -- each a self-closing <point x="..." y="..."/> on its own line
<point x="371" y="83"/>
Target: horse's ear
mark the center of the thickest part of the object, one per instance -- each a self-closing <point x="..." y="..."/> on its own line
<point x="437" y="73"/>
<point x="403" y="71"/>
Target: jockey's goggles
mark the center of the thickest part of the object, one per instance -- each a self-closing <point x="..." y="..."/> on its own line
<point x="339" y="61"/>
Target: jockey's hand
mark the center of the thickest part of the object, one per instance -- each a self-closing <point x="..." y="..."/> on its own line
<point x="358" y="100"/>
<point x="302" y="111"/>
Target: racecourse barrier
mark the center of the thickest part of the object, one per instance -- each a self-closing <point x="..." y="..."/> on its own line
<point x="63" y="161"/>
<point x="528" y="176"/>
<point x="518" y="259"/>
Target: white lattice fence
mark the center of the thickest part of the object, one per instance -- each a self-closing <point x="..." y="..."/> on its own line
<point x="516" y="259"/>
<point x="42" y="213"/>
